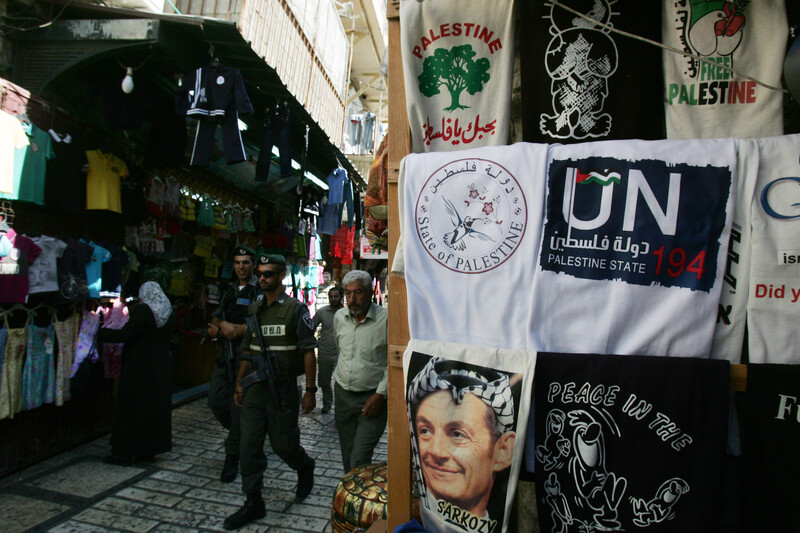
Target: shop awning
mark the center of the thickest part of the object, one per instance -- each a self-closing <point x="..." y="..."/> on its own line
<point x="91" y="41"/>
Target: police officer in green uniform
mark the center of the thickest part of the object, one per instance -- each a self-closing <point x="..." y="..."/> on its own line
<point x="227" y="322"/>
<point x="271" y="406"/>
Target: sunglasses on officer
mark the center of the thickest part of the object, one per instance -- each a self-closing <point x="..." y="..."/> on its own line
<point x="268" y="273"/>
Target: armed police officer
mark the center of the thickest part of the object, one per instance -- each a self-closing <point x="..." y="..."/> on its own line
<point x="227" y="324"/>
<point x="280" y="345"/>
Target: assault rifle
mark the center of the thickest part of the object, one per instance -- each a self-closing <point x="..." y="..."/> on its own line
<point x="228" y="354"/>
<point x="265" y="363"/>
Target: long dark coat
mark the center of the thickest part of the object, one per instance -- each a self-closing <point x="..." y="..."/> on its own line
<point x="142" y="423"/>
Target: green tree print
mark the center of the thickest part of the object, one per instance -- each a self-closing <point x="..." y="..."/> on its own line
<point x="457" y="70"/>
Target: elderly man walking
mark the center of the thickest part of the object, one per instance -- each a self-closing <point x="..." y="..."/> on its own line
<point x="362" y="371"/>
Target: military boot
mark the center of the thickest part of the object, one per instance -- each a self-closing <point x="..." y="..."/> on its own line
<point x="253" y="509"/>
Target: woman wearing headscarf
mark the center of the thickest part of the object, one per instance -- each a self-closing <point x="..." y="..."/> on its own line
<point x="142" y="425"/>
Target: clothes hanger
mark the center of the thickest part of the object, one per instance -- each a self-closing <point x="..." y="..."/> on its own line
<point x="214" y="58"/>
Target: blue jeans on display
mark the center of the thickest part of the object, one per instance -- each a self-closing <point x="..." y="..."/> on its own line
<point x="277" y="133"/>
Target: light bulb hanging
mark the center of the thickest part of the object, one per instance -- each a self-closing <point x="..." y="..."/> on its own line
<point x="127" y="81"/>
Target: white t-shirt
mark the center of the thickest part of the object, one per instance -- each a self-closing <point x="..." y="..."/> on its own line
<point x="732" y="316"/>
<point x="458" y="72"/>
<point x="773" y="305"/>
<point x="43" y="273"/>
<point x="12" y="138"/>
<point x="471" y="224"/>
<point x="705" y="100"/>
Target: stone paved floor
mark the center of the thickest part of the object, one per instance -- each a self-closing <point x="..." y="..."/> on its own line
<point x="180" y="491"/>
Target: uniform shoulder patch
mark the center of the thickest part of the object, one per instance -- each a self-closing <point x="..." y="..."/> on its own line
<point x="306" y="316"/>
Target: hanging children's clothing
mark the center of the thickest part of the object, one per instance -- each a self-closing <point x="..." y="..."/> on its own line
<point x="11" y="386"/>
<point x="113" y="318"/>
<point x="85" y="343"/>
<point x="103" y="181"/>
<point x="14" y="279"/>
<point x="3" y="335"/>
<point x="39" y="373"/>
<point x="12" y="138"/>
<point x="215" y="94"/>
<point x="67" y="336"/>
<point x="32" y="177"/>
<point x="276" y="133"/>
<point x="336" y="180"/>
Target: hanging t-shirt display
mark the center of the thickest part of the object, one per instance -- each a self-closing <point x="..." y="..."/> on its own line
<point x="72" y="283"/>
<point x="464" y="215"/>
<point x="43" y="273"/>
<point x="13" y="360"/>
<point x="336" y="180"/>
<point x="94" y="269"/>
<point x="732" y="314"/>
<point x="39" y="371"/>
<point x="583" y="81"/>
<point x="32" y="179"/>
<point x="111" y="274"/>
<point x="457" y="66"/>
<point x="634" y="247"/>
<point x="12" y="138"/>
<point x="65" y="182"/>
<point x="103" y="181"/>
<point x="466" y="468"/>
<point x="704" y="98"/>
<point x="772" y="305"/>
<point x="771" y="431"/>
<point x="629" y="443"/>
<point x="14" y="279"/>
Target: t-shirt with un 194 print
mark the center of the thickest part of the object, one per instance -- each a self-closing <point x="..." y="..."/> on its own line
<point x="634" y="246"/>
<point x="12" y="138"/>
<point x="43" y="272"/>
<point x="14" y="281"/>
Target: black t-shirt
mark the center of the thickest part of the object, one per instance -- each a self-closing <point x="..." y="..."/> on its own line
<point x="770" y="436"/>
<point x="112" y="271"/>
<point x="581" y="82"/>
<point x="630" y="443"/>
<point x="72" y="281"/>
<point x="65" y="181"/>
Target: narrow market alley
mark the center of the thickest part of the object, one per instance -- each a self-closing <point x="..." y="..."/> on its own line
<point x="179" y="491"/>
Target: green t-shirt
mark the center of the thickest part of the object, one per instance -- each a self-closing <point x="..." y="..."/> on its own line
<point x="40" y="149"/>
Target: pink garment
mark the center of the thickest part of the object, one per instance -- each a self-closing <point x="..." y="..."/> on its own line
<point x="113" y="318"/>
<point x="85" y="345"/>
<point x="66" y="335"/>
<point x="14" y="280"/>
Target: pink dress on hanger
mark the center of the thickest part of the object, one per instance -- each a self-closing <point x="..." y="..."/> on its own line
<point x="113" y="318"/>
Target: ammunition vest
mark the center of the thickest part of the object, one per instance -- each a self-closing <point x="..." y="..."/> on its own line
<point x="236" y="302"/>
<point x="277" y="323"/>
